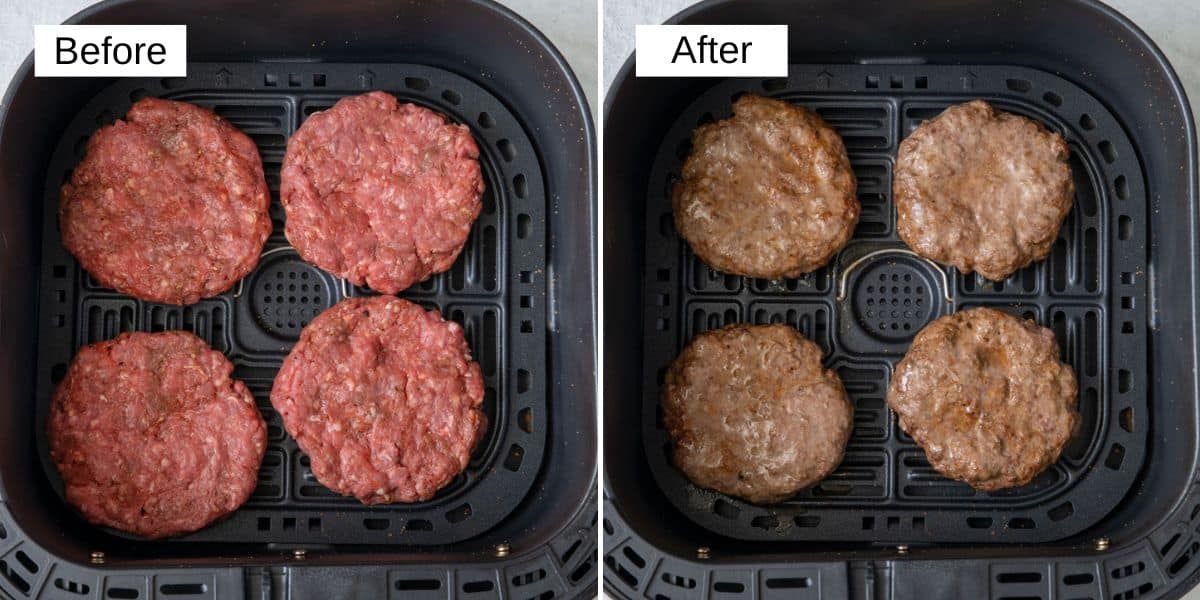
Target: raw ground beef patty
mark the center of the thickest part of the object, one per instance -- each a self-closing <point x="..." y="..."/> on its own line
<point x="380" y="193"/>
<point x="169" y="205"/>
<point x="384" y="398"/>
<point x="984" y="393"/>
<point x="152" y="436"/>
<point x="753" y="413"/>
<point x="767" y="192"/>
<point x="982" y="190"/>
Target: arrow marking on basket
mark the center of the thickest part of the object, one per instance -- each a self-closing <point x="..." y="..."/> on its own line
<point x="968" y="80"/>
<point x="223" y="77"/>
<point x="366" y="77"/>
<point x="823" y="79"/>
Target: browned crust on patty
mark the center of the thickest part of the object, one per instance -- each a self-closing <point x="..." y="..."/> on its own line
<point x="753" y="413"/>
<point x="982" y="190"/>
<point x="766" y="193"/>
<point x="985" y="394"/>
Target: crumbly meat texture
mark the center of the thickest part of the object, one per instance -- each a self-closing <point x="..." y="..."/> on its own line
<point x="380" y="193"/>
<point x="984" y="393"/>
<point x="169" y="205"/>
<point x="152" y="436"/>
<point x="982" y="190"/>
<point x="752" y="412"/>
<point x="384" y="398"/>
<point x="766" y="193"/>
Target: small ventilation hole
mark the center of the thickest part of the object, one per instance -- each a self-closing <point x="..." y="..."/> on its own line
<point x="1121" y="186"/>
<point x="1124" y="381"/>
<point x="525" y="419"/>
<point x="775" y="84"/>
<point x="293" y="80"/>
<point x="318" y="80"/>
<point x="634" y="557"/>
<point x="520" y="186"/>
<point x="1124" y="227"/>
<point x="452" y="97"/>
<point x="724" y="508"/>
<point x="1052" y="99"/>
<point x="270" y="80"/>
<point x="921" y="82"/>
<point x="478" y="587"/>
<point x="525" y="224"/>
<point x="1078" y="579"/>
<point x="183" y="589"/>
<point x="1061" y="511"/>
<point x="486" y="121"/>
<point x="896" y="82"/>
<point x="1107" y="151"/>
<point x="375" y="524"/>
<point x="764" y="522"/>
<point x="119" y="593"/>
<point x="507" y="150"/>
<point x="1018" y="85"/>
<point x="979" y="522"/>
<point x="872" y="81"/>
<point x="72" y="587"/>
<point x="1087" y="122"/>
<point x="1021" y="523"/>
<point x="729" y="587"/>
<point x="459" y="514"/>
<point x="788" y="583"/>
<point x="416" y="83"/>
<point x="1028" y="577"/>
<point x="420" y="525"/>
<point x="512" y="461"/>
<point x="1126" y="419"/>
<point x="1116" y="455"/>
<point x="417" y="585"/>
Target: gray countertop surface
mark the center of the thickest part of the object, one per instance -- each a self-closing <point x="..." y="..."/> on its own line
<point x="570" y="25"/>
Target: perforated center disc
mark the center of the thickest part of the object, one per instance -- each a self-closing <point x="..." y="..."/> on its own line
<point x="894" y="296"/>
<point x="286" y="293"/>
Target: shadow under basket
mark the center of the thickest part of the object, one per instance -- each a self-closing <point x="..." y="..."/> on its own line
<point x="1107" y="520"/>
<point x="521" y="518"/>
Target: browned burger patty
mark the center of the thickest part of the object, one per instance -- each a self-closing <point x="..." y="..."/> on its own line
<point x="380" y="193"/>
<point x="986" y="396"/>
<point x="152" y="436"/>
<point x="384" y="398"/>
<point x="169" y="205"/>
<point x="982" y="190"/>
<point x="766" y="193"/>
<point x="752" y="413"/>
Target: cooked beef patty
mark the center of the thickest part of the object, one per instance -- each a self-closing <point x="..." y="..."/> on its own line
<point x="982" y="190"/>
<point x="152" y="436"/>
<point x="384" y="398"/>
<point x="169" y="205"/>
<point x="766" y="193"/>
<point x="753" y="413"/>
<point x="380" y="193"/>
<point x="985" y="394"/>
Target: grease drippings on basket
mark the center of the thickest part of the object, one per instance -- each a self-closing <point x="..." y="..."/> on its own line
<point x="982" y="190"/>
<point x="768" y="192"/>
<point x="753" y="413"/>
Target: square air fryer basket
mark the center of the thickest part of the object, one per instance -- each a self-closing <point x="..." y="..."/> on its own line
<point x="520" y="521"/>
<point x="1116" y="517"/>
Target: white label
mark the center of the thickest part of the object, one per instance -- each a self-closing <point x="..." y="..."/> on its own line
<point x="712" y="51"/>
<point x="110" y="50"/>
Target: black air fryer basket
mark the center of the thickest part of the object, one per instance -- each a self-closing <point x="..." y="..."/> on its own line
<point x="1117" y="516"/>
<point x="521" y="520"/>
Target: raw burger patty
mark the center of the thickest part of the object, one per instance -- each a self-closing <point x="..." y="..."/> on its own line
<point x="152" y="436"/>
<point x="766" y="193"/>
<point x="982" y="190"/>
<point x="984" y="393"/>
<point x="752" y="413"/>
<point x="380" y="193"/>
<point x="384" y="398"/>
<point x="169" y="205"/>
